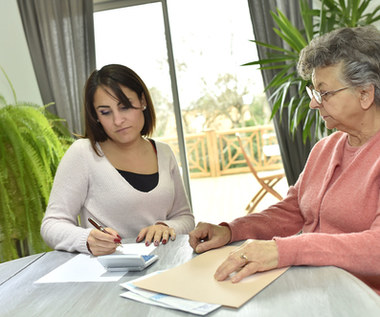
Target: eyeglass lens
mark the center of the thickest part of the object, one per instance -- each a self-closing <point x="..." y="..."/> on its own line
<point x="313" y="93"/>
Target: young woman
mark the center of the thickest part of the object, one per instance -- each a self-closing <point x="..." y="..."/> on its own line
<point x="116" y="175"/>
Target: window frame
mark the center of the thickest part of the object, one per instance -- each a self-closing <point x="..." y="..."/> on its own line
<point x="102" y="5"/>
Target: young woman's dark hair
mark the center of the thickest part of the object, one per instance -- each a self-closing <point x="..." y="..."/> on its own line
<point x="112" y="77"/>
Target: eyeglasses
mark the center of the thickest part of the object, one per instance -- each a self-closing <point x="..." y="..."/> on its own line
<point x="318" y="96"/>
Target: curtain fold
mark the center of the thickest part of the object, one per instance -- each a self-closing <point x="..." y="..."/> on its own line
<point x="294" y="152"/>
<point x="61" y="41"/>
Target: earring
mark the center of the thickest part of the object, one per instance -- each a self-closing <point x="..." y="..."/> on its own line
<point x="144" y="108"/>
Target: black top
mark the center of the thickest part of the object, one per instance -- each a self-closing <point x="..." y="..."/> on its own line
<point x="141" y="182"/>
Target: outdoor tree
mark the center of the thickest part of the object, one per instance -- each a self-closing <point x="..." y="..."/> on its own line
<point x="164" y="110"/>
<point x="223" y="106"/>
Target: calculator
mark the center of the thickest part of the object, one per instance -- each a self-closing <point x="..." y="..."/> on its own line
<point x="126" y="262"/>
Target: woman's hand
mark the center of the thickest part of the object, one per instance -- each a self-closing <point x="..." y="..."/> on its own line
<point x="100" y="243"/>
<point x="207" y="236"/>
<point x="156" y="233"/>
<point x="251" y="257"/>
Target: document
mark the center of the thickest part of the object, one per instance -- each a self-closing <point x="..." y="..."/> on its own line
<point x="87" y="268"/>
<point x="195" y="281"/>
<point x="162" y="300"/>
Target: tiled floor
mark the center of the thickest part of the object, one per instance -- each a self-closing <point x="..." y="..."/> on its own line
<point x="224" y="198"/>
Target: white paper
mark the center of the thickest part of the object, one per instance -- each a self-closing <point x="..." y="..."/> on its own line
<point x="87" y="268"/>
<point x="166" y="301"/>
<point x="135" y="248"/>
<point x="81" y="268"/>
<point x="142" y="299"/>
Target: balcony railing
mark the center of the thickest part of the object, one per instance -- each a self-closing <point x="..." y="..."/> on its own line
<point x="215" y="153"/>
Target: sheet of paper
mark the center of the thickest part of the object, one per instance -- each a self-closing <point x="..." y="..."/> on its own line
<point x="81" y="268"/>
<point x="194" y="280"/>
<point x="87" y="268"/>
<point x="163" y="300"/>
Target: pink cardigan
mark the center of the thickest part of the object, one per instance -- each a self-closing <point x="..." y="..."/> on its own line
<point x="340" y="222"/>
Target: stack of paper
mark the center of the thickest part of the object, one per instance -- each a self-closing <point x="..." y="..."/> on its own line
<point x="163" y="300"/>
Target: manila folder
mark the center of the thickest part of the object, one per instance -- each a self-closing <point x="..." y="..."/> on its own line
<point x="195" y="280"/>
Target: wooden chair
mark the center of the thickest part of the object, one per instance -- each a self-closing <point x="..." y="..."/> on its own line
<point x="267" y="182"/>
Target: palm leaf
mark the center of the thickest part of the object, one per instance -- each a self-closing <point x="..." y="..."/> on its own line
<point x="331" y="15"/>
<point x="289" y="33"/>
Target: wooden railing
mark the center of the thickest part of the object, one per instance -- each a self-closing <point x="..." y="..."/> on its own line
<point x="215" y="153"/>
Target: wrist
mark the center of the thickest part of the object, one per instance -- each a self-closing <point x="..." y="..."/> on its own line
<point x="227" y="231"/>
<point x="273" y="250"/>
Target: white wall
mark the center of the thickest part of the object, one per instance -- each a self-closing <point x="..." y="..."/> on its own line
<point x="15" y="58"/>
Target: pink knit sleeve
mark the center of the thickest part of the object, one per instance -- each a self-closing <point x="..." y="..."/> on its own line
<point x="357" y="252"/>
<point x="281" y="219"/>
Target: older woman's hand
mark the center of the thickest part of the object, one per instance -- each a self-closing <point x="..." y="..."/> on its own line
<point x="156" y="233"/>
<point x="100" y="243"/>
<point x="251" y="257"/>
<point x="207" y="236"/>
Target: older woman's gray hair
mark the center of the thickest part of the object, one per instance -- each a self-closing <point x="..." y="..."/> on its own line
<point x="358" y="49"/>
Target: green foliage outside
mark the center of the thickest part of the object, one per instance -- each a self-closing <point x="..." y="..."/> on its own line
<point x="224" y="107"/>
<point x="259" y="110"/>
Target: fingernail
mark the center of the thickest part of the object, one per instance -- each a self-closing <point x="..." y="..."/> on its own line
<point x="117" y="240"/>
<point x="137" y="239"/>
<point x="147" y="243"/>
<point x="164" y="241"/>
<point x="156" y="243"/>
<point x="119" y="237"/>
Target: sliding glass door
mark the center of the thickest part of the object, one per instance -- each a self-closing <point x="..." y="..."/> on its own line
<point x="189" y="53"/>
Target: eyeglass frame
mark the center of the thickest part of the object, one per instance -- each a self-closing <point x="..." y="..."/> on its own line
<point x="318" y="96"/>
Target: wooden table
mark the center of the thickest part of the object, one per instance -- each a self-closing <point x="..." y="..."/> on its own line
<point x="301" y="291"/>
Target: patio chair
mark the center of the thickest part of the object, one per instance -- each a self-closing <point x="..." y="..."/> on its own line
<point x="267" y="182"/>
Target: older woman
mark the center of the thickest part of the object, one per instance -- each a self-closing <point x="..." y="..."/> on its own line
<point x="331" y="216"/>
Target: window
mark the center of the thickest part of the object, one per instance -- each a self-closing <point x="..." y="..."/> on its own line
<point x="210" y="42"/>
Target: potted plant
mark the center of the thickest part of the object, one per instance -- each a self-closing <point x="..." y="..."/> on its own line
<point x="288" y="88"/>
<point x="32" y="142"/>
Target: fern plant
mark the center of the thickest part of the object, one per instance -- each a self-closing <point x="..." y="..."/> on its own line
<point x="32" y="142"/>
<point x="287" y="88"/>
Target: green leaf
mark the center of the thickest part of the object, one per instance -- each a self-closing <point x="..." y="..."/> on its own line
<point x="289" y="32"/>
<point x="307" y="18"/>
<point x="332" y="14"/>
<point x="30" y="151"/>
<point x="309" y="120"/>
<point x="272" y="47"/>
<point x="10" y="84"/>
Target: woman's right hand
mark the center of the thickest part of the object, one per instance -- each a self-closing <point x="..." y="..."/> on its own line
<point x="100" y="243"/>
<point x="207" y="236"/>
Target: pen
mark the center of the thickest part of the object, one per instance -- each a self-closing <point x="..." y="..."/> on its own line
<point x="99" y="227"/>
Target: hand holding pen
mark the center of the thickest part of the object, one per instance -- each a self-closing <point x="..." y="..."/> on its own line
<point x="102" y="241"/>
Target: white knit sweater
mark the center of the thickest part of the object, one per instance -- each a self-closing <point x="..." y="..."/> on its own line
<point x="87" y="185"/>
